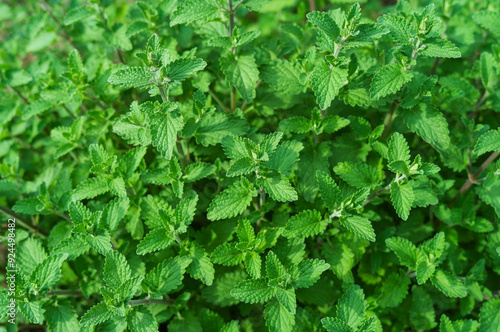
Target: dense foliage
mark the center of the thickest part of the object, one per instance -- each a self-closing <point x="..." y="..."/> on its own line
<point x="253" y="165"/>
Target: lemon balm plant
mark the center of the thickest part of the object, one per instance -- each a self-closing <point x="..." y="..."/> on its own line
<point x="253" y="165"/>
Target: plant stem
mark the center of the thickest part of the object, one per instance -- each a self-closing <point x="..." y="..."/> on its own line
<point x="21" y="221"/>
<point x="163" y="93"/>
<point x="66" y="292"/>
<point x="388" y="120"/>
<point x="435" y="66"/>
<point x="148" y="300"/>
<point x="71" y="114"/>
<point x="23" y="98"/>
<point x="378" y="192"/>
<point x="106" y="26"/>
<point x="45" y="6"/>
<point x="245" y="102"/>
<point x="473" y="178"/>
<point x="214" y="96"/>
<point x="312" y="5"/>
<point x="231" y="28"/>
<point x="478" y="104"/>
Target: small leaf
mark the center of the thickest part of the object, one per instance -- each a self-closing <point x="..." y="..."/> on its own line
<point x="448" y="284"/>
<point x="232" y="201"/>
<point x="242" y="73"/>
<point x="388" y="80"/>
<point x="360" y="226"/>
<point x="326" y="82"/>
<point x="253" y="291"/>
<point x="277" y="317"/>
<point x="402" y="199"/>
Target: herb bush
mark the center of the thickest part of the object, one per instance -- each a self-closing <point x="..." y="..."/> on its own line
<point x="256" y="165"/>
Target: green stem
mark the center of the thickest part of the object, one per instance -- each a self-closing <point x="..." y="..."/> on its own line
<point x="163" y="93"/>
<point x="231" y="28"/>
<point x="21" y="221"/>
<point x="473" y="178"/>
<point x="71" y="114"/>
<point x="214" y="96"/>
<point x="148" y="300"/>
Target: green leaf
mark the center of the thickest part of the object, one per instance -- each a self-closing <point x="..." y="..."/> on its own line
<point x="428" y="123"/>
<point x="133" y="127"/>
<point x="237" y="148"/>
<point x="393" y="290"/>
<point x="245" y="231"/>
<point x="286" y="297"/>
<point x="406" y="251"/>
<point x="214" y="126"/>
<point x="32" y="311"/>
<point x="73" y="246"/>
<point x="274" y="268"/>
<point x="326" y="81"/>
<point x="242" y="166"/>
<point x="254" y="5"/>
<point x="201" y="267"/>
<point x="285" y="157"/>
<point x="360" y="226"/>
<point x="489" y="316"/>
<point x="116" y="269"/>
<point x="325" y="23"/>
<point x="100" y="243"/>
<point x="165" y="122"/>
<point x="402" y="198"/>
<point x="32" y="253"/>
<point x="155" y="240"/>
<point x="424" y="271"/>
<point x="61" y="317"/>
<point x="165" y="277"/>
<point x="136" y="28"/>
<point x="253" y="264"/>
<point x="48" y="272"/>
<point x="330" y="192"/>
<point x="182" y="68"/>
<point x="445" y="324"/>
<point x="96" y="315"/>
<point x="489" y="20"/>
<point x="232" y="201"/>
<point x="131" y="77"/>
<point x="305" y="224"/>
<point x="270" y="143"/>
<point x="351" y="307"/>
<point x="308" y="272"/>
<point x="398" y="149"/>
<point x="277" y="317"/>
<point x="401" y="30"/>
<point x="242" y="73"/>
<point x="438" y="47"/>
<point x="194" y="10"/>
<point x="359" y="175"/>
<point x="77" y="14"/>
<point x="90" y="188"/>
<point x="278" y="187"/>
<point x="227" y="254"/>
<point x="448" y="284"/>
<point x="296" y="124"/>
<point x="140" y="319"/>
<point x="489" y="141"/>
<point x="488" y="192"/>
<point x="114" y="212"/>
<point x="253" y="291"/>
<point x="198" y="170"/>
<point x="388" y="80"/>
<point x="335" y="325"/>
<point x="284" y="76"/>
<point x="488" y="69"/>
